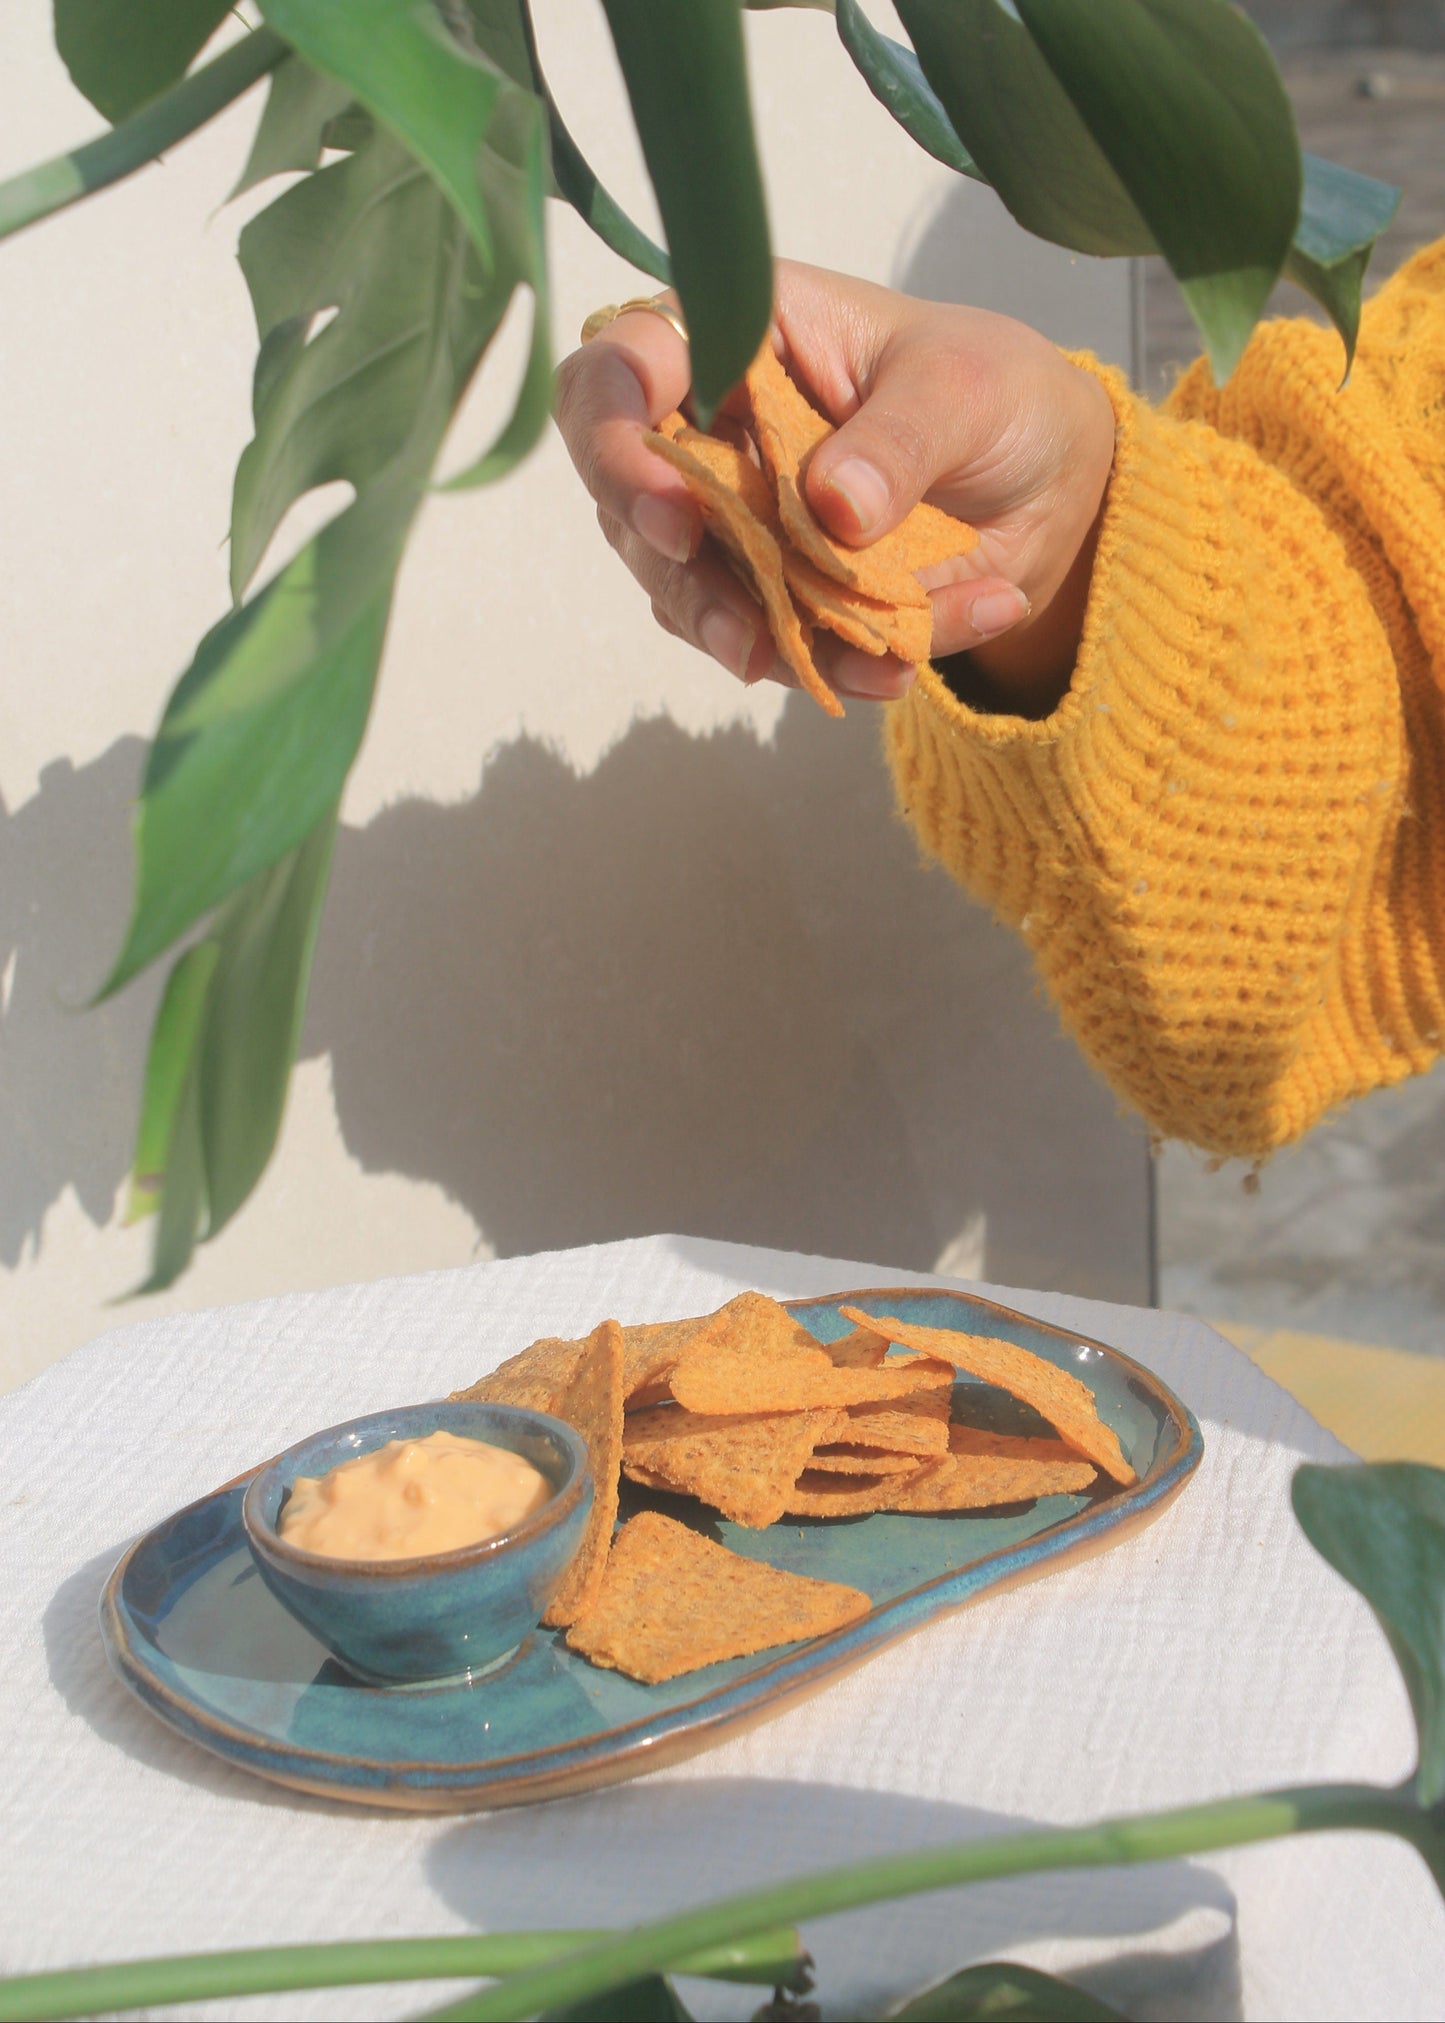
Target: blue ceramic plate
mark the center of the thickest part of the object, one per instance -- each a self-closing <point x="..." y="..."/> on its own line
<point x="190" y="1628"/>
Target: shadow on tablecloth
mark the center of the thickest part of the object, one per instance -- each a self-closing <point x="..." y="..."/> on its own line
<point x="621" y="1856"/>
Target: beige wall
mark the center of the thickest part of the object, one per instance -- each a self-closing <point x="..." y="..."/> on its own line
<point x="612" y="947"/>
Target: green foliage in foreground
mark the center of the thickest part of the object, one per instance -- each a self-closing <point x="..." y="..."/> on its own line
<point x="427" y="143"/>
<point x="1382" y="1527"/>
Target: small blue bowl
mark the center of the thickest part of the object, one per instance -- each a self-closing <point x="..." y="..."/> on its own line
<point x="449" y="1615"/>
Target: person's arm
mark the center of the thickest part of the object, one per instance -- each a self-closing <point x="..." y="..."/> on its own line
<point x="1200" y="763"/>
<point x="1227" y="841"/>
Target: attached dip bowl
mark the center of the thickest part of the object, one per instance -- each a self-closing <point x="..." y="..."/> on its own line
<point x="449" y="1615"/>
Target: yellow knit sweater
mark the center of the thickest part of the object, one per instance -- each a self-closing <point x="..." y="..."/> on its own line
<point x="1227" y="844"/>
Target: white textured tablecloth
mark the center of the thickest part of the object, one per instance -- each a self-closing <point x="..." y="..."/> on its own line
<point x="1213" y="1653"/>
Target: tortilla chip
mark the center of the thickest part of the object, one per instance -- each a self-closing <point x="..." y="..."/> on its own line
<point x="842" y="1458"/>
<point x="672" y="1601"/>
<point x="859" y="1349"/>
<point x="1008" y="1446"/>
<point x="1067" y="1404"/>
<point x="742" y="1463"/>
<point x="916" y="1423"/>
<point x="968" y="1480"/>
<point x="592" y="1405"/>
<point x="746" y="536"/>
<point x="649" y="1351"/>
<point x="533" y="1378"/>
<point x="730" y="1378"/>
<point x="818" y="1494"/>
<point x="789" y="429"/>
<point x="905" y="629"/>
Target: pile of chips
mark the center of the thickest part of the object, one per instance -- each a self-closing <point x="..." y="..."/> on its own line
<point x="752" y="1415"/>
<point x="752" y="495"/>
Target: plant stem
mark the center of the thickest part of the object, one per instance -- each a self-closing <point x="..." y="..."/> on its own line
<point x="54" y="185"/>
<point x="1159" y="1836"/>
<point x="768" y="1958"/>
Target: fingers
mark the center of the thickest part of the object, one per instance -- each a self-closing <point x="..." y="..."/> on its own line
<point x="917" y="425"/>
<point x="699" y="601"/>
<point x="609" y="393"/>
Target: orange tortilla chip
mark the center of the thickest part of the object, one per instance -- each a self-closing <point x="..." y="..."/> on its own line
<point x="742" y="1463"/>
<point x="1067" y="1404"/>
<point x="906" y="630"/>
<point x="916" y="1423"/>
<point x="533" y="1378"/>
<point x="859" y="1349"/>
<point x="968" y="1480"/>
<point x="649" y="1351"/>
<point x="789" y="429"/>
<point x="818" y="1494"/>
<point x="1008" y="1446"/>
<point x="592" y="1404"/>
<point x="672" y="1601"/>
<point x="845" y="1459"/>
<point x="746" y="537"/>
<point x="743" y="1378"/>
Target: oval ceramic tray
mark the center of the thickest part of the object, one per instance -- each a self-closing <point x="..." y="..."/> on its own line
<point x="190" y="1628"/>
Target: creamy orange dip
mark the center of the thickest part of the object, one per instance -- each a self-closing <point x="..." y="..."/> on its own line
<point x="413" y="1497"/>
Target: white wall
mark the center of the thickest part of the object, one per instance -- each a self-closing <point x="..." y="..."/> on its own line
<point x="612" y="946"/>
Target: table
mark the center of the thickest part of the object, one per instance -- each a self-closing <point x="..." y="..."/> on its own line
<point x="1212" y="1653"/>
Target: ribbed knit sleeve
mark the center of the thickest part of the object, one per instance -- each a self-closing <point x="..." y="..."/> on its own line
<point x="1227" y="844"/>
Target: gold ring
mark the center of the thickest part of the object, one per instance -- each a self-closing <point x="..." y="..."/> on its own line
<point x="600" y="318"/>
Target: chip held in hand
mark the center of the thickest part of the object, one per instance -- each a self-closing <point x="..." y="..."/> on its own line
<point x="754" y="500"/>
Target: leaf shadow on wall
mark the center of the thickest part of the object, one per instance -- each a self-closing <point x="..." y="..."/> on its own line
<point x="69" y="1078"/>
<point x="703" y="988"/>
<point x="707" y="988"/>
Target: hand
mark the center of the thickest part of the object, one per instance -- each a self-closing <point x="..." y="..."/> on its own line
<point x="970" y="410"/>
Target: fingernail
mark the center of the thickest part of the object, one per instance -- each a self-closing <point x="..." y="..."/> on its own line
<point x="870" y="679"/>
<point x="996" y="611"/>
<point x="728" y="639"/>
<point x="665" y="527"/>
<point x="862" y="489"/>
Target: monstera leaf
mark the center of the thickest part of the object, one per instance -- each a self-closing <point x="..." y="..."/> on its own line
<point x="415" y="251"/>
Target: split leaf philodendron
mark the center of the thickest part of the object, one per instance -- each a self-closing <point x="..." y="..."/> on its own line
<point x="427" y="143"/>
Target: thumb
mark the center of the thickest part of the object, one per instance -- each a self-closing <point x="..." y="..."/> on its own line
<point x="871" y="473"/>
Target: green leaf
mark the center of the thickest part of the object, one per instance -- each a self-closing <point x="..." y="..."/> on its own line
<point x="686" y="78"/>
<point x="1341" y="216"/>
<point x="179" y="1180"/>
<point x="121" y="53"/>
<point x="1126" y="126"/>
<point x="893" y="75"/>
<point x="480" y="137"/>
<point x="1035" y="149"/>
<point x="437" y="97"/>
<point x="256" y="740"/>
<point x="266" y="936"/>
<point x="1187" y="105"/>
<point x="1003" y="1992"/>
<point x="373" y="238"/>
<point x="169" y="1065"/>
<point x="572" y="174"/>
<point x="650" y="2000"/>
<point x="514" y="173"/>
<point x="54" y="185"/>
<point x="1019" y="127"/>
<point x="300" y="105"/>
<point x="1382" y="1527"/>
